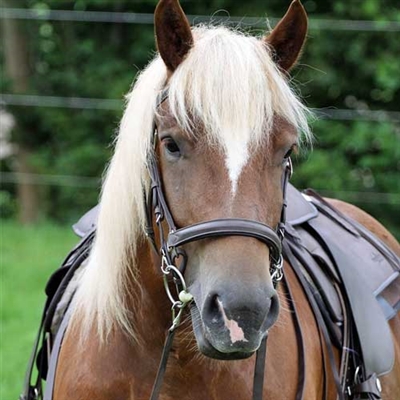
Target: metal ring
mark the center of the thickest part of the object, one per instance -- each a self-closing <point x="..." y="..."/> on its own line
<point x="277" y="266"/>
<point x="167" y="268"/>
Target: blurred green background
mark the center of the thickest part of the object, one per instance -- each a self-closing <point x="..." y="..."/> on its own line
<point x="65" y="67"/>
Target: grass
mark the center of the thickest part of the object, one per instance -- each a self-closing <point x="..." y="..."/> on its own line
<point x="28" y="255"/>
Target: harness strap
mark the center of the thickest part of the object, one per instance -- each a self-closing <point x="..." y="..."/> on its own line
<point x="227" y="227"/>
<point x="170" y="249"/>
<point x="370" y="387"/>
<point x="258" y="382"/>
<point x="32" y="392"/>
<point x="163" y="365"/>
<point x="329" y="210"/>
<point x="317" y="314"/>
<point x="300" y="342"/>
<point x="51" y="375"/>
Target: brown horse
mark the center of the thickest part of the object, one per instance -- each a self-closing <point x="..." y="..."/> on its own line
<point x="225" y="129"/>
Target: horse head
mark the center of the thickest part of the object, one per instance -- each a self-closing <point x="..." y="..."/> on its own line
<point x="225" y="132"/>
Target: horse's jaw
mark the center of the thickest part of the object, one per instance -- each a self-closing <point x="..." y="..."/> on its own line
<point x="204" y="341"/>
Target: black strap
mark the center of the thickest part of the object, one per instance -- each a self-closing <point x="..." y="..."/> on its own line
<point x="317" y="314"/>
<point x="370" y="389"/>
<point x="332" y="212"/>
<point x="30" y="392"/>
<point x="300" y="342"/>
<point x="259" y="369"/>
<point x="163" y="365"/>
<point x="55" y="353"/>
<point x="227" y="227"/>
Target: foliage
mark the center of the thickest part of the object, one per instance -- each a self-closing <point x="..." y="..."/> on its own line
<point x="7" y="205"/>
<point x="339" y="69"/>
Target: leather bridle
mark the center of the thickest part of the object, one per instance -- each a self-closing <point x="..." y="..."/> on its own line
<point x="169" y="250"/>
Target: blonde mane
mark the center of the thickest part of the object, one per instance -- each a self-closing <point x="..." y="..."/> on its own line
<point x="230" y="84"/>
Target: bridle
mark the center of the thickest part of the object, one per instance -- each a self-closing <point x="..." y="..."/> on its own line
<point x="169" y="250"/>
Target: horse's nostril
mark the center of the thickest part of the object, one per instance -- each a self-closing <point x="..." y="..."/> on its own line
<point x="273" y="312"/>
<point x="212" y="310"/>
<point x="256" y="313"/>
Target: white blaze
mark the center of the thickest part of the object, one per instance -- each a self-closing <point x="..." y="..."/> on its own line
<point x="237" y="156"/>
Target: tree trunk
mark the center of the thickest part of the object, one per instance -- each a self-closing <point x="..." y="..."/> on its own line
<point x="18" y="70"/>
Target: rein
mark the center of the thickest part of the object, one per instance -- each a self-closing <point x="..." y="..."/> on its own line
<point x="156" y="207"/>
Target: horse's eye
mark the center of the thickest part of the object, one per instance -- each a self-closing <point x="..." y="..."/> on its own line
<point x="171" y="146"/>
<point x="289" y="153"/>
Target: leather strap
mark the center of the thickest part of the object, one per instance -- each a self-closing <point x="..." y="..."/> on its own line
<point x="317" y="314"/>
<point x="227" y="227"/>
<point x="300" y="341"/>
<point x="162" y="367"/>
<point x="329" y="210"/>
<point x="259" y="370"/>
<point x="370" y="387"/>
<point x="51" y="375"/>
<point x="170" y="245"/>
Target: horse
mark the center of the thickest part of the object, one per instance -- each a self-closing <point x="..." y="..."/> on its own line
<point x="205" y="144"/>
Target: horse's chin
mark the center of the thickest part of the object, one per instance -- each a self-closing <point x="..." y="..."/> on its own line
<point x="205" y="346"/>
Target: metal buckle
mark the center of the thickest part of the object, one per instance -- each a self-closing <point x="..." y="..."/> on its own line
<point x="358" y="380"/>
<point x="277" y="267"/>
<point x="184" y="297"/>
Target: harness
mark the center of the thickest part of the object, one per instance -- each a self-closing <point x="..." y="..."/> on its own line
<point x="318" y="242"/>
<point x="170" y="251"/>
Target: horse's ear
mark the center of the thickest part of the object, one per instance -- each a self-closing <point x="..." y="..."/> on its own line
<point x="288" y="37"/>
<point x="173" y="35"/>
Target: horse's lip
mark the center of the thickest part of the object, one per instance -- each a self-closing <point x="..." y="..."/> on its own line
<point x="205" y="345"/>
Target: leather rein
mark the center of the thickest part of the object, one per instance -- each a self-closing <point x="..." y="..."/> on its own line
<point x="170" y="251"/>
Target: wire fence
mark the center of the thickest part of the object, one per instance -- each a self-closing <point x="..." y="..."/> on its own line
<point x="114" y="104"/>
<point x="50" y="180"/>
<point x="41" y="14"/>
<point x="95" y="183"/>
<point x="148" y="19"/>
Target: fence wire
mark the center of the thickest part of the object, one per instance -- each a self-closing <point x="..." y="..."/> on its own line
<point x="114" y="104"/>
<point x="148" y="19"/>
<point x="95" y="183"/>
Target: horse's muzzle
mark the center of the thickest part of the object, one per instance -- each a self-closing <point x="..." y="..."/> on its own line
<point x="229" y="326"/>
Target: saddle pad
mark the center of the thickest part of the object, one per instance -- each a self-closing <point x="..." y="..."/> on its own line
<point x="87" y="222"/>
<point x="363" y="271"/>
<point x="298" y="210"/>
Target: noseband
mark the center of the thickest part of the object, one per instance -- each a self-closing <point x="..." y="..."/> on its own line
<point x="170" y="250"/>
